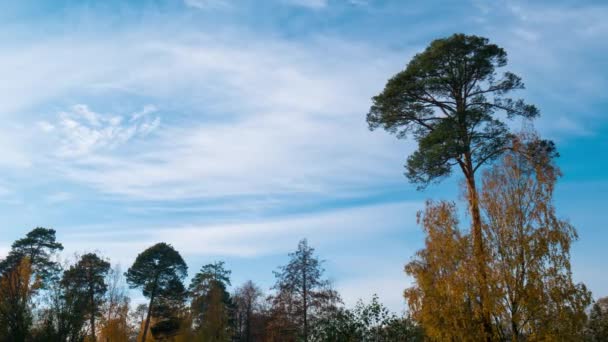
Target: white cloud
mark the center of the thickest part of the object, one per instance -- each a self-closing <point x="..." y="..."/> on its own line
<point x="276" y="118"/>
<point x="329" y="231"/>
<point x="58" y="197"/>
<point x="145" y="111"/>
<point x="206" y="4"/>
<point x="262" y="155"/>
<point x="81" y="131"/>
<point x="45" y="126"/>
<point x="314" y="4"/>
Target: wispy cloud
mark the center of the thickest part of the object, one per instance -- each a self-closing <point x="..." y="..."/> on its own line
<point x="81" y="131"/>
<point x="207" y="4"/>
<point x="560" y="73"/>
<point x="313" y="4"/>
<point x="58" y="197"/>
<point x="278" y="108"/>
<point x="253" y="238"/>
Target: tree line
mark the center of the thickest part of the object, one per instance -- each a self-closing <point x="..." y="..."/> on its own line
<point x="42" y="299"/>
<point x="500" y="273"/>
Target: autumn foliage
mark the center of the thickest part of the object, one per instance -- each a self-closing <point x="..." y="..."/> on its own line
<point x="533" y="296"/>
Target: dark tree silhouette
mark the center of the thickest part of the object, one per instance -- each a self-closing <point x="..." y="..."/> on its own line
<point x="247" y="302"/>
<point x="301" y="286"/>
<point x="157" y="271"/>
<point x="86" y="279"/>
<point x="597" y="326"/>
<point x="211" y="302"/>
<point x="27" y="268"/>
<point x="37" y="246"/>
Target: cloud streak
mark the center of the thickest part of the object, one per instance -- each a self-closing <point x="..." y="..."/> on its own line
<point x="81" y="132"/>
<point x="278" y="118"/>
<point x="252" y="238"/>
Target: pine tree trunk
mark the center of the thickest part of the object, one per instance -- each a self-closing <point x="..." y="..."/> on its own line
<point x="145" y="334"/>
<point x="478" y="249"/>
<point x="93" y="309"/>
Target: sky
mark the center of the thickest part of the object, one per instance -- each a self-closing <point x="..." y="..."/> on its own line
<point x="232" y="129"/>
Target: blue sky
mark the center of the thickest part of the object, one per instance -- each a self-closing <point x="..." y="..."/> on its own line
<point x="233" y="128"/>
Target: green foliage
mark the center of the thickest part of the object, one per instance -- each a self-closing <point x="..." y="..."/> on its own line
<point x="159" y="272"/>
<point x="156" y="269"/>
<point x="37" y="246"/>
<point x="27" y="268"/>
<point x="302" y="292"/>
<point x="166" y="328"/>
<point x="211" y="305"/>
<point x="85" y="281"/>
<point x="366" y="322"/>
<point x="448" y="98"/>
<point x="597" y="326"/>
<point x="214" y="314"/>
<point x="207" y="276"/>
<point x="64" y="318"/>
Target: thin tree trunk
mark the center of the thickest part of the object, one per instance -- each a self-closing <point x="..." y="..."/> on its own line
<point x="92" y="299"/>
<point x="478" y="250"/>
<point x="248" y="323"/>
<point x="93" y="336"/>
<point x="145" y="334"/>
<point x="305" y="292"/>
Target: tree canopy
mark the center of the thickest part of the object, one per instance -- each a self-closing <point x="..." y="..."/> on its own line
<point x="211" y="303"/>
<point x="27" y="268"/>
<point x="302" y="289"/>
<point x="159" y="272"/>
<point x="86" y="281"/>
<point x="448" y="98"/>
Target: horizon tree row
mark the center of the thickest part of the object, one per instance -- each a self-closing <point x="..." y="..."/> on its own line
<point x="88" y="300"/>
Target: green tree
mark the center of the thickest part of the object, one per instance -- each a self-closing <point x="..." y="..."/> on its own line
<point x="365" y="323"/>
<point x="158" y="271"/>
<point x="302" y="291"/>
<point x="38" y="246"/>
<point x="448" y="98"/>
<point x="208" y="276"/>
<point x="86" y="279"/>
<point x="211" y="303"/>
<point x="27" y="268"/>
<point x="597" y="326"/>
<point x="63" y="316"/>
